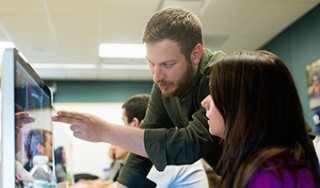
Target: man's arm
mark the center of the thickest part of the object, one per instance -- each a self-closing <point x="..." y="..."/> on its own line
<point x="184" y="145"/>
<point x="95" y="129"/>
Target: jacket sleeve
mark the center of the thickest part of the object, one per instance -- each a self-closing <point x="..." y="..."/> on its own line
<point x="183" y="146"/>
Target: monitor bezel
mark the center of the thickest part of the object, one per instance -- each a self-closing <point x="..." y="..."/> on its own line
<point x="7" y="108"/>
<point x="11" y="57"/>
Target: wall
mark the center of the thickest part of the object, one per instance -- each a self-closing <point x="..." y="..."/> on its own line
<point x="97" y="91"/>
<point x="298" y="46"/>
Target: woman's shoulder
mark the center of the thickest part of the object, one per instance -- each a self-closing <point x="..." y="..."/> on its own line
<point x="282" y="173"/>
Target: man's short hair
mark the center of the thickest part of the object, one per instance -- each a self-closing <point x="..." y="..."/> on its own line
<point x="176" y="24"/>
<point x="136" y="106"/>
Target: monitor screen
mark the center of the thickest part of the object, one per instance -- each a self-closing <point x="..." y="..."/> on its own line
<point x="26" y="126"/>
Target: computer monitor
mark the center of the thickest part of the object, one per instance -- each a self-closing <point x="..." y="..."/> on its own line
<point x="23" y="92"/>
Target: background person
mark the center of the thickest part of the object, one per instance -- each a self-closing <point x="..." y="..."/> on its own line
<point x="253" y="104"/>
<point x="133" y="112"/>
<point x="174" y="130"/>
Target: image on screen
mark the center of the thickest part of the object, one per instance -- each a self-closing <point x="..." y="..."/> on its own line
<point x="31" y="97"/>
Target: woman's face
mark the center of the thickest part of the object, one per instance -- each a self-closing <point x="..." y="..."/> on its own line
<point x="215" y="119"/>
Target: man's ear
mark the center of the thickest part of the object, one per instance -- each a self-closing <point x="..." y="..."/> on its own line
<point x="135" y="123"/>
<point x="197" y="53"/>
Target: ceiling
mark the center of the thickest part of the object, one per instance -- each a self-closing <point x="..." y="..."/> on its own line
<point x="60" y="38"/>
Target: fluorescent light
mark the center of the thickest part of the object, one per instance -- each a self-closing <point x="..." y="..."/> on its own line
<point x="88" y="66"/>
<point x="62" y="66"/>
<point x="113" y="50"/>
<point x="125" y="66"/>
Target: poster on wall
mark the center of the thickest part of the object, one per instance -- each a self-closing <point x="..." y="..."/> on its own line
<point x="313" y="85"/>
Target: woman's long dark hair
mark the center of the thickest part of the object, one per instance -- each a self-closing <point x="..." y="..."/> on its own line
<point x="258" y="99"/>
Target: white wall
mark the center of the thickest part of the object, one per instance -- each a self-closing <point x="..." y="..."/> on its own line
<point x="83" y="156"/>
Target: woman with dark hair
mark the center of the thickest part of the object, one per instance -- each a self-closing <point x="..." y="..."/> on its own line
<point x="254" y="106"/>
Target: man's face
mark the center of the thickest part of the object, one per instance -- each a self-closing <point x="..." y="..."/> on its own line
<point x="169" y="67"/>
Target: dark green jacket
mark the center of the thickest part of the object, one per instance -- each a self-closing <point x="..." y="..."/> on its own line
<point x="176" y="130"/>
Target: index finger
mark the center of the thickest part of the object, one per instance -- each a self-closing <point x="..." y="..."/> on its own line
<point x="69" y="117"/>
<point x="71" y="114"/>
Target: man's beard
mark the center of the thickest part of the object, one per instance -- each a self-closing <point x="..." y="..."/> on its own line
<point x="182" y="85"/>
